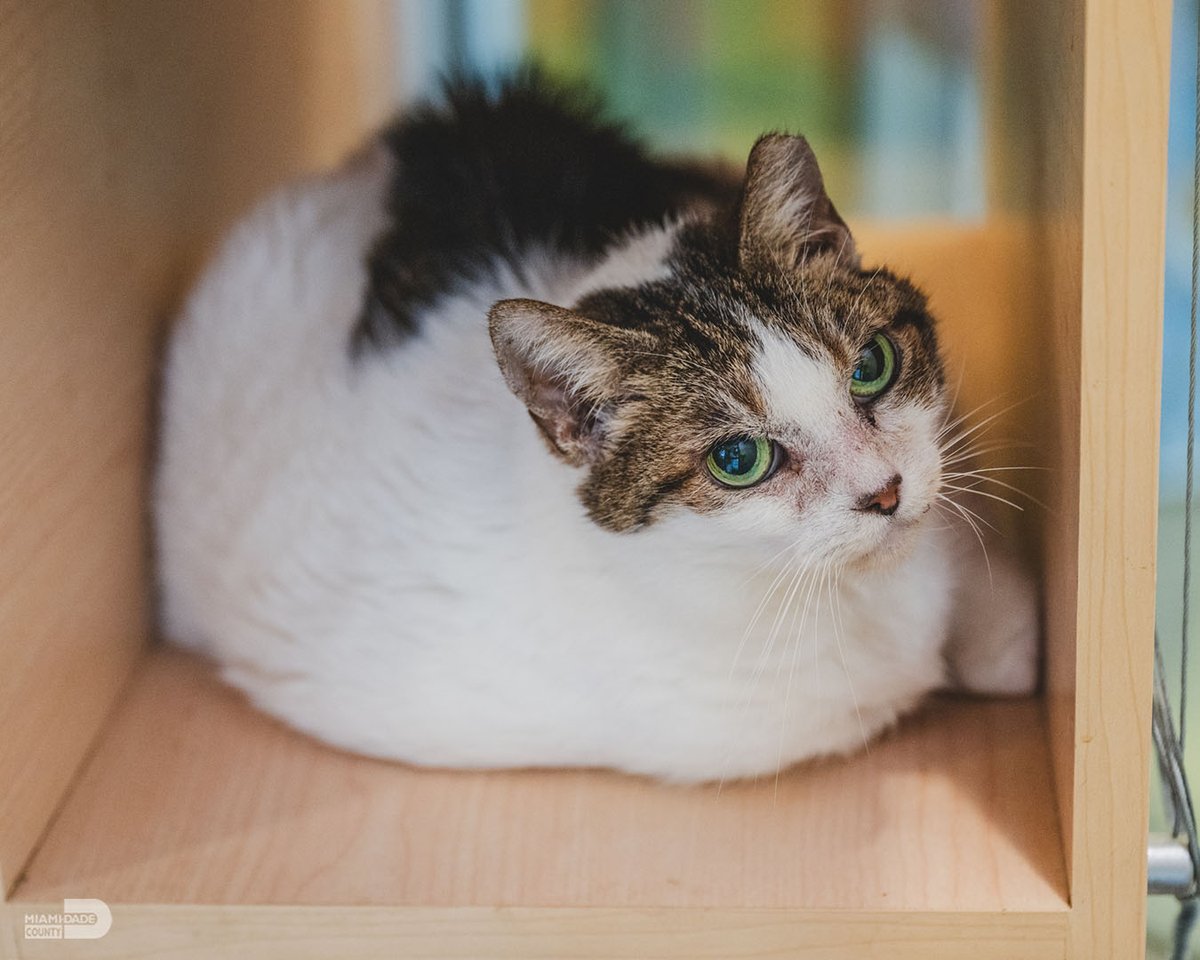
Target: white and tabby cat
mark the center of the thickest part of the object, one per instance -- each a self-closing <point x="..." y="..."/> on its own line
<point x="507" y="445"/>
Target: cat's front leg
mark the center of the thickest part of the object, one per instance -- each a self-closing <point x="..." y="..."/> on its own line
<point x="994" y="630"/>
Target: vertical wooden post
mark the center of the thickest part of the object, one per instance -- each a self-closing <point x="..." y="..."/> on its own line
<point x="1086" y="81"/>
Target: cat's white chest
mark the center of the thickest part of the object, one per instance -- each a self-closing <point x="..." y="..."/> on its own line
<point x="611" y="658"/>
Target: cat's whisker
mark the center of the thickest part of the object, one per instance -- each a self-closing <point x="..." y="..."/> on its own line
<point x="801" y="582"/>
<point x="838" y="633"/>
<point x="1005" y="469"/>
<point x="786" y="571"/>
<point x="948" y="424"/>
<point x="803" y="576"/>
<point x="838" y="599"/>
<point x="980" y="476"/>
<point x="804" y="580"/>
<point x="977" y="517"/>
<point x="788" y="632"/>
<point x="1003" y="442"/>
<point x="769" y="644"/>
<point x="805" y="617"/>
<point x="758" y="612"/>
<point x="795" y="634"/>
<point x="961" y="422"/>
<point x="962" y="436"/>
<point x="965" y="514"/>
<point x="964" y="439"/>
<point x="974" y="452"/>
<point x="983" y="493"/>
<point x="797" y="573"/>
<point x="768" y="562"/>
<point x="953" y="404"/>
<point x="816" y="645"/>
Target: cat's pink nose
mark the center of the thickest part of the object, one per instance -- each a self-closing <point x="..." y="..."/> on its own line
<point x="885" y="500"/>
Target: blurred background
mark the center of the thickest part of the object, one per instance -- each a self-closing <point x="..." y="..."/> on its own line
<point x="888" y="91"/>
<point x="1177" y="293"/>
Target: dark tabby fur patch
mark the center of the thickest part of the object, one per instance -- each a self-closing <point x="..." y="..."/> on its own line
<point x="488" y="176"/>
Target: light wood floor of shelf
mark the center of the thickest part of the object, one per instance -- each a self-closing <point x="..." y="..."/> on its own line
<point x="193" y="797"/>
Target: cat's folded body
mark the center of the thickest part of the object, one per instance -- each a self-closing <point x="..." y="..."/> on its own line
<point x="650" y="527"/>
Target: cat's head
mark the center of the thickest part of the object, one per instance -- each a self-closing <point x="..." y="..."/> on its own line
<point x="760" y="380"/>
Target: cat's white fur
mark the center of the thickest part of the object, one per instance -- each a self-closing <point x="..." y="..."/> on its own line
<point x="381" y="551"/>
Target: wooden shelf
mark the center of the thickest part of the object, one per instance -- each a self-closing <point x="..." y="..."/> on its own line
<point x="133" y="133"/>
<point x="192" y="797"/>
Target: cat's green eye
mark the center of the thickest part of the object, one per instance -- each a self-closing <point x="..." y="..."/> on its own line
<point x="876" y="369"/>
<point x="741" y="461"/>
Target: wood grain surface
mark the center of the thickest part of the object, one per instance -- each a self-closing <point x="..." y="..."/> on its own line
<point x="194" y="797"/>
<point x="1091" y="80"/>
<point x="131" y="133"/>
<point x="596" y="933"/>
<point x="1126" y="82"/>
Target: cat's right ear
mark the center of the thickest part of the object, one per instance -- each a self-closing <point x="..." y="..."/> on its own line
<point x="560" y="364"/>
<point x="786" y="215"/>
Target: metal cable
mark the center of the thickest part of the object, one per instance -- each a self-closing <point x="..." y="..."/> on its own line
<point x="1176" y="791"/>
<point x="1185" y="923"/>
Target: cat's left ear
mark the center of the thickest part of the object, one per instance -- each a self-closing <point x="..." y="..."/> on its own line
<point x="563" y="366"/>
<point x="786" y="215"/>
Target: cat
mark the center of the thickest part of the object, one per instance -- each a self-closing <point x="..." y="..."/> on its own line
<point x="509" y="445"/>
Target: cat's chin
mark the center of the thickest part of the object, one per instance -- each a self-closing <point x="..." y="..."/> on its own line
<point x="895" y="545"/>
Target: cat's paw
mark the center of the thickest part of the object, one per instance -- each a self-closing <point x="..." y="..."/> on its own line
<point x="994" y="648"/>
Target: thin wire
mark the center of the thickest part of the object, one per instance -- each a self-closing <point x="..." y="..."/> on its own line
<point x="1185" y="923"/>
<point x="1183" y="927"/>
<point x="1177" y="795"/>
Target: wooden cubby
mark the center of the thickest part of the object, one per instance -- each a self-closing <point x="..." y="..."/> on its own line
<point x="131" y="133"/>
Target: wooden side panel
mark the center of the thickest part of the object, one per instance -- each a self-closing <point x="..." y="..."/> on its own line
<point x="130" y="134"/>
<point x="1088" y="79"/>
<point x="1041" y="123"/>
<point x="1126" y="84"/>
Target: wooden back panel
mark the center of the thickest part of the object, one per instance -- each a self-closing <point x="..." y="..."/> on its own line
<point x="130" y="134"/>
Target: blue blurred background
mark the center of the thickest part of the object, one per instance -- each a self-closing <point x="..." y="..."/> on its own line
<point x="1177" y="304"/>
<point x="1179" y="248"/>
